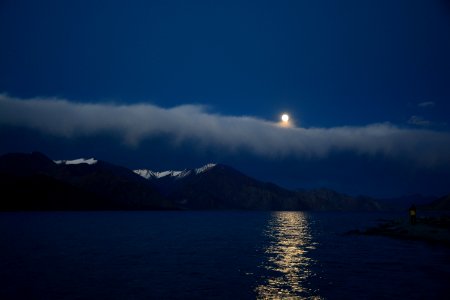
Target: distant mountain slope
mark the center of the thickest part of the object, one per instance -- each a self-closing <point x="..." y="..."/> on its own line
<point x="149" y="174"/>
<point x="169" y="181"/>
<point x="222" y="187"/>
<point x="36" y="182"/>
<point x="78" y="185"/>
<point x="442" y="203"/>
<point x="42" y="192"/>
<point x="326" y="199"/>
<point x="23" y="164"/>
<point x="404" y="202"/>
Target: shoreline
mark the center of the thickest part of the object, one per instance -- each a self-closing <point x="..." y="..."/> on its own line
<point x="435" y="230"/>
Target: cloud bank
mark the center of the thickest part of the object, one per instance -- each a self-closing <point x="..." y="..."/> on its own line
<point x="134" y="123"/>
<point x="419" y="121"/>
<point x="426" y="104"/>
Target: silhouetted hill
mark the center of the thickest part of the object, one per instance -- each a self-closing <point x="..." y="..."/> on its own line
<point x="223" y="187"/>
<point x="36" y="182"/>
<point x="442" y="203"/>
<point x="23" y="164"/>
<point x="326" y="199"/>
<point x="121" y="186"/>
<point x="404" y="202"/>
<point x="36" y="179"/>
<point x="41" y="192"/>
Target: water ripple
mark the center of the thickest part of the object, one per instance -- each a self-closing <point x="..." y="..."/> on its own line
<point x="287" y="264"/>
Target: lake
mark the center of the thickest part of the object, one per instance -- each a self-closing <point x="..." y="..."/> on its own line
<point x="212" y="255"/>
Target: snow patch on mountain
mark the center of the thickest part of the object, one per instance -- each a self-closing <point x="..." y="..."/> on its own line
<point x="204" y="168"/>
<point x="144" y="173"/>
<point x="147" y="174"/>
<point x="78" y="161"/>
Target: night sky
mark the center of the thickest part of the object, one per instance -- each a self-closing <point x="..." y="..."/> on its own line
<point x="178" y="84"/>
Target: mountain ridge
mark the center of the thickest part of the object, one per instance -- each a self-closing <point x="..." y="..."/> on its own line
<point x="188" y="189"/>
<point x="147" y="173"/>
<point x="102" y="185"/>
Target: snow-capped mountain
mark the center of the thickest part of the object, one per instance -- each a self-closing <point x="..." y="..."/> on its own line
<point x="83" y="184"/>
<point x="149" y="174"/>
<point x="89" y="161"/>
<point x="41" y="183"/>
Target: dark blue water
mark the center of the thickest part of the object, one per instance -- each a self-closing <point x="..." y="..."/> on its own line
<point x="212" y="255"/>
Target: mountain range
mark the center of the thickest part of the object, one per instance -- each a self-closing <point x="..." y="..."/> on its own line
<point x="32" y="181"/>
<point x="35" y="182"/>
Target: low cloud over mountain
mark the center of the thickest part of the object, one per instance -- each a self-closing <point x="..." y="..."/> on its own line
<point x="133" y="123"/>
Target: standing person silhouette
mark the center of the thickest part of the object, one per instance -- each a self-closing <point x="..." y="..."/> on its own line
<point x="412" y="214"/>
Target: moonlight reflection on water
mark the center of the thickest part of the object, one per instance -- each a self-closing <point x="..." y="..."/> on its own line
<point x="287" y="264"/>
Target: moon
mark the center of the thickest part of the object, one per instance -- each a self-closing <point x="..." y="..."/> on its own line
<point x="285" y="118"/>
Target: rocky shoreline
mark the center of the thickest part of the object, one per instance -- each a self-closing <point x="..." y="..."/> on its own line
<point x="434" y="230"/>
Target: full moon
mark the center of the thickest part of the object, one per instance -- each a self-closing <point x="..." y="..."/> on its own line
<point x="285" y="118"/>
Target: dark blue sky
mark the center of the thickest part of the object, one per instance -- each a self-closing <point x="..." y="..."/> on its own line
<point x="328" y="63"/>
